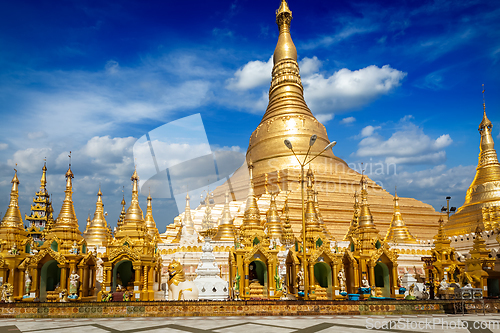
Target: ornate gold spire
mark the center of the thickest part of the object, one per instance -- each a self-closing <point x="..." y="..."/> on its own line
<point x="287" y="115"/>
<point x="355" y="218"/>
<point x="273" y="221"/>
<point x="97" y="232"/>
<point x="122" y="214"/>
<point x="398" y="232"/>
<point x="150" y="221"/>
<point x="313" y="228"/>
<point x="441" y="241"/>
<point x="225" y="232"/>
<point x="43" y="180"/>
<point x="12" y="217"/>
<point x="288" y="238"/>
<point x="320" y="217"/>
<point x="207" y="222"/>
<point x="251" y="218"/>
<point x="134" y="225"/>
<point x="483" y="195"/>
<point x="367" y="232"/>
<point x="187" y="222"/>
<point x="67" y="216"/>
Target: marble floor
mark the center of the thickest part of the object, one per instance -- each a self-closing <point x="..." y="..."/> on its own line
<point x="305" y="324"/>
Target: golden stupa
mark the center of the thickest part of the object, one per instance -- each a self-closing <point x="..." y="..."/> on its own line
<point x="482" y="200"/>
<point x="225" y="231"/>
<point x="276" y="169"/>
<point x="398" y="232"/>
<point x="97" y="232"/>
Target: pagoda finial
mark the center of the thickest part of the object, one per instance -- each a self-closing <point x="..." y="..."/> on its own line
<point x="285" y="49"/>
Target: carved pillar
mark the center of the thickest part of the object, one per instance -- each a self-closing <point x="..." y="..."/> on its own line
<point x="270" y="279"/>
<point x="34" y="280"/>
<point x="21" y="282"/>
<point x="64" y="276"/>
<point x="145" y="285"/>
<point x="395" y="287"/>
<point x="80" y="287"/>
<point x="372" y="275"/>
<point x="246" y="283"/>
<point x="356" y="277"/>
<point x="312" y="282"/>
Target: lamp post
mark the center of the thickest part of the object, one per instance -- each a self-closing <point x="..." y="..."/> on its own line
<point x="448" y="210"/>
<point x="302" y="164"/>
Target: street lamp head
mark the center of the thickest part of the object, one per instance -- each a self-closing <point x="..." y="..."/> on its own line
<point x="288" y="144"/>
<point x="312" y="140"/>
<point x="452" y="209"/>
<point x="448" y="198"/>
<point x="330" y="145"/>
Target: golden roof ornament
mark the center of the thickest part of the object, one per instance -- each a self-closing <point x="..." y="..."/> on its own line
<point x="187" y="222"/>
<point x="398" y="232"/>
<point x="326" y="233"/>
<point x="97" y="232"/>
<point x="67" y="216"/>
<point x="207" y="222"/>
<point x="150" y="221"/>
<point x="12" y="217"/>
<point x="285" y="49"/>
<point x="288" y="237"/>
<point x="121" y="218"/>
<point x="225" y="232"/>
<point x="355" y="218"/>
<point x="251" y="225"/>
<point x="273" y="221"/>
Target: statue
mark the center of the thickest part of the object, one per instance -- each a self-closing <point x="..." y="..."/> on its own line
<point x="364" y="282"/>
<point x="443" y="285"/>
<point x="14" y="250"/>
<point x="178" y="288"/>
<point x="342" y="280"/>
<point x="74" y="248"/>
<point x="236" y="286"/>
<point x="27" y="283"/>
<point x="411" y="291"/>
<point x="300" y="280"/>
<point x="73" y="284"/>
<point x="63" y="296"/>
<point x="7" y="292"/>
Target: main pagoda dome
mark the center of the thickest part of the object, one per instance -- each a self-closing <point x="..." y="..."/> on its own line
<point x="275" y="168"/>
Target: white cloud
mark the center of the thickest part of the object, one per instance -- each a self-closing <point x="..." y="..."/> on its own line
<point x="30" y="159"/>
<point x="309" y="66"/>
<point x="348" y="120"/>
<point x="3" y="146"/>
<point x="37" y="135"/>
<point x="252" y="75"/>
<point x="368" y="130"/>
<point x="324" y="118"/>
<point x="347" y="89"/>
<point x="409" y="145"/>
<point x="498" y="136"/>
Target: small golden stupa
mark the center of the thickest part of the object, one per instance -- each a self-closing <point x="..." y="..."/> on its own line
<point x="225" y="231"/>
<point x="97" y="232"/>
<point x="398" y="232"/>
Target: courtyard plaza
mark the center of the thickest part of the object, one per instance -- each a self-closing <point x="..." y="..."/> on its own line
<point x="302" y="324"/>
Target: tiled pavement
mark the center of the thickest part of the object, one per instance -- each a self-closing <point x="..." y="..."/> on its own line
<point x="305" y="324"/>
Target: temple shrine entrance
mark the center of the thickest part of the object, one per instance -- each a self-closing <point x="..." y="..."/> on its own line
<point x="49" y="279"/>
<point x="257" y="275"/>
<point x="123" y="275"/>
<point x="383" y="279"/>
<point x="323" y="276"/>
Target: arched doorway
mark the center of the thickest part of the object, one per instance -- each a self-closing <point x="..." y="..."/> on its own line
<point x="383" y="279"/>
<point x="123" y="274"/>
<point x="49" y="278"/>
<point x="323" y="276"/>
<point x="258" y="272"/>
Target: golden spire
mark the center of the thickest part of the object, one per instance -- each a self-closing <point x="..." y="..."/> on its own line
<point x="225" y="232"/>
<point x="287" y="104"/>
<point x="150" y="222"/>
<point x="134" y="218"/>
<point x="123" y="212"/>
<point x="43" y="180"/>
<point x="441" y="241"/>
<point x="97" y="232"/>
<point x="484" y="192"/>
<point x="67" y="216"/>
<point x="285" y="49"/>
<point x="313" y="227"/>
<point x="187" y="222"/>
<point x="207" y="222"/>
<point x="365" y="215"/>
<point x="251" y="217"/>
<point x="320" y="217"/>
<point x="398" y="232"/>
<point x="13" y="218"/>
<point x="355" y="218"/>
<point x="288" y="237"/>
<point x="273" y="221"/>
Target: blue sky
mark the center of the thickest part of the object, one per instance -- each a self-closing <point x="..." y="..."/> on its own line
<point x="393" y="82"/>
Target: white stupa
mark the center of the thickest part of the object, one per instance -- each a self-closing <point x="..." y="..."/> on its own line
<point x="210" y="285"/>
